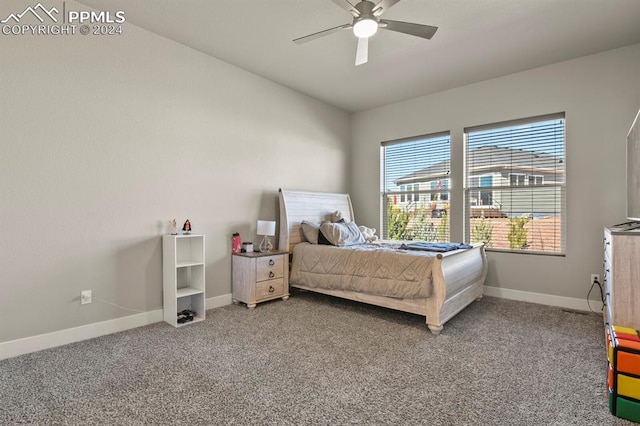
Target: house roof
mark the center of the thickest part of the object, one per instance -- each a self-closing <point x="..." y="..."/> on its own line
<point x="490" y="160"/>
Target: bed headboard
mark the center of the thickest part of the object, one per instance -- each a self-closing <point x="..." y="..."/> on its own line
<point x="296" y="206"/>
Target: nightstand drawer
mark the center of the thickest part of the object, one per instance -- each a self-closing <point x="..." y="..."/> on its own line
<point x="269" y="274"/>
<point x="270" y="262"/>
<point x="269" y="268"/>
<point x="268" y="289"/>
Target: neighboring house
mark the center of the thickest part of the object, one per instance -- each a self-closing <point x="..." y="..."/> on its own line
<point x="496" y="175"/>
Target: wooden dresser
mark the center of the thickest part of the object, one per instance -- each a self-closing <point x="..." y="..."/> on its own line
<point x="622" y="274"/>
<point x="258" y="277"/>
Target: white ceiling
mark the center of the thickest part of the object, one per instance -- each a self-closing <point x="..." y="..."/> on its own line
<point x="476" y="40"/>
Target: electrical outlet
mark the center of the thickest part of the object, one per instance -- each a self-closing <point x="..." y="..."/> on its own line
<point x="85" y="297"/>
<point x="595" y="278"/>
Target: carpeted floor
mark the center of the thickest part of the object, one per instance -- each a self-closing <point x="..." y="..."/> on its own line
<point x="319" y="360"/>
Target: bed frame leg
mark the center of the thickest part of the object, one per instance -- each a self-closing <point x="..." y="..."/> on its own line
<point x="435" y="329"/>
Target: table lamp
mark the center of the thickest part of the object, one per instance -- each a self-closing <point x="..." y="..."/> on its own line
<point x="266" y="228"/>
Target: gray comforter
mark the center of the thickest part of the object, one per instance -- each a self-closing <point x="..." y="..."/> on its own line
<point x="377" y="268"/>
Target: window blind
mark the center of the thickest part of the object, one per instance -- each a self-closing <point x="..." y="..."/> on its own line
<point x="515" y="188"/>
<point x="415" y="184"/>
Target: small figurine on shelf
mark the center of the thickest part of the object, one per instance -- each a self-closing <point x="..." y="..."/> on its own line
<point x="174" y="227"/>
<point x="186" y="228"/>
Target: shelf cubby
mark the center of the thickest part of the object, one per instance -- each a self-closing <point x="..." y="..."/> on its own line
<point x="183" y="277"/>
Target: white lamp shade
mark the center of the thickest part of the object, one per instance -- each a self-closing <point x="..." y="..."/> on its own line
<point x="266" y="227"/>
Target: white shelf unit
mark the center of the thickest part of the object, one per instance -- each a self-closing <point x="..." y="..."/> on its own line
<point x="183" y="283"/>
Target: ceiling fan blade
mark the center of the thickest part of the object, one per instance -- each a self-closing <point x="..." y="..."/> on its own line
<point x="319" y="34"/>
<point x="382" y="6"/>
<point x="418" y="30"/>
<point x="348" y="7"/>
<point x="362" y="52"/>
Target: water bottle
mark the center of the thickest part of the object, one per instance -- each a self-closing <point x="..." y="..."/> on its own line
<point x="236" y="243"/>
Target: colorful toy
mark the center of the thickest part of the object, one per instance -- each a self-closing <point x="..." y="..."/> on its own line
<point x="623" y="380"/>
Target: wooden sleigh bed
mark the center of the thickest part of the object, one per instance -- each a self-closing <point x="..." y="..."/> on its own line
<point x="457" y="277"/>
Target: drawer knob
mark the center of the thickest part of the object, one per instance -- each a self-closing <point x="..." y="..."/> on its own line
<point x="271" y="262"/>
<point x="271" y="289"/>
<point x="271" y="274"/>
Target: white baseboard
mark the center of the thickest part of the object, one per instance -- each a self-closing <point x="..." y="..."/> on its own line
<point x="217" y="302"/>
<point x="27" y="345"/>
<point x="544" y="299"/>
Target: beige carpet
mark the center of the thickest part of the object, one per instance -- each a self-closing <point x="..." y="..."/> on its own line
<point x="320" y="360"/>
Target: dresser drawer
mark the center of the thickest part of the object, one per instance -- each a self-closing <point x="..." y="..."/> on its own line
<point x="607" y="280"/>
<point x="607" y="245"/>
<point x="269" y="289"/>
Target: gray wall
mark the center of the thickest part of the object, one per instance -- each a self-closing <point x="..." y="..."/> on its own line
<point x="106" y="139"/>
<point x="600" y="94"/>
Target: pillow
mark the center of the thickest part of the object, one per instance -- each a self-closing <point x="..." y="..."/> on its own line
<point x="369" y="234"/>
<point x="337" y="216"/>
<point x="342" y="234"/>
<point x="310" y="231"/>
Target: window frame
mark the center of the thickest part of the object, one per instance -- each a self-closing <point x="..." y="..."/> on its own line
<point x="539" y="182"/>
<point x="413" y="192"/>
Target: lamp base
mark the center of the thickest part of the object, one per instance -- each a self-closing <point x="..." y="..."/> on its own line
<point x="265" y="245"/>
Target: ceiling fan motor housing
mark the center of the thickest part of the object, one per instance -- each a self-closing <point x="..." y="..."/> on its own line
<point x="365" y="7"/>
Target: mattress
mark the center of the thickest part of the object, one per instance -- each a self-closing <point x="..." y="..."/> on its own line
<point x="380" y="269"/>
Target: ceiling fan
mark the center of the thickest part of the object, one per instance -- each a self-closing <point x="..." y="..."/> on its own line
<point x="366" y="21"/>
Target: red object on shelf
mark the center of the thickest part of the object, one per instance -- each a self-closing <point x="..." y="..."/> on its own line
<point x="236" y="243"/>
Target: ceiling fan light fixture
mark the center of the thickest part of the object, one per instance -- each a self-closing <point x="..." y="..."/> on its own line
<point x="365" y="28"/>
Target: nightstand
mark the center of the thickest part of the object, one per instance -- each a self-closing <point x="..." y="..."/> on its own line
<point x="258" y="277"/>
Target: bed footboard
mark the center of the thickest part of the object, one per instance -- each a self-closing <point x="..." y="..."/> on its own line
<point x="458" y="280"/>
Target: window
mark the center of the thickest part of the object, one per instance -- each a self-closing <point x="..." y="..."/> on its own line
<point x="481" y="197"/>
<point x="515" y="185"/>
<point x="416" y="195"/>
<point x="415" y="188"/>
<point x="409" y="193"/>
<point x="516" y="179"/>
<point x="439" y="185"/>
<point x="535" y="180"/>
